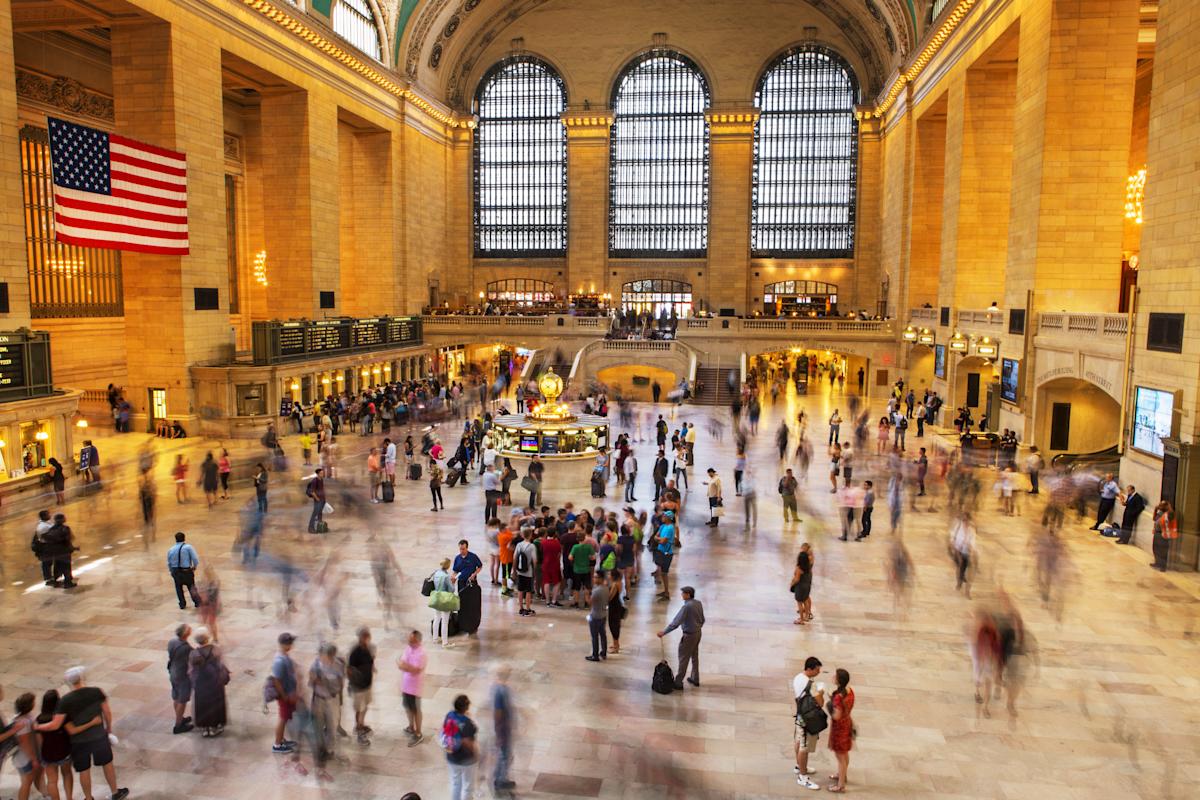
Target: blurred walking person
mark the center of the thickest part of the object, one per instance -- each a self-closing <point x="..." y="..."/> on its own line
<point x="962" y="547"/>
<point x="504" y="724"/>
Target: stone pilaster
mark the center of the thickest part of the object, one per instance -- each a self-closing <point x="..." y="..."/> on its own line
<point x="867" y="270"/>
<point x="587" y="187"/>
<point x="1076" y="72"/>
<point x="287" y="212"/>
<point x="167" y="92"/>
<point x="731" y="156"/>
<point x="13" y="266"/>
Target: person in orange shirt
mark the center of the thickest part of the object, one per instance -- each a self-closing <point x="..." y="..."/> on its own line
<point x="505" y="542"/>
<point x="375" y="473"/>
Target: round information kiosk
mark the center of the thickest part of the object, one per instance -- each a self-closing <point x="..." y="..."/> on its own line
<point x="567" y="444"/>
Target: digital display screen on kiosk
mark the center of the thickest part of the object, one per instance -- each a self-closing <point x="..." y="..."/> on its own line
<point x="529" y="443"/>
<point x="549" y="444"/>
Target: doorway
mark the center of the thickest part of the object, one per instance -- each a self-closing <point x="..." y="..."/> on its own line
<point x="158" y="408"/>
<point x="1060" y="426"/>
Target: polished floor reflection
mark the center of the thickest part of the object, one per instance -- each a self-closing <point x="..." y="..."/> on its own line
<point x="1110" y="709"/>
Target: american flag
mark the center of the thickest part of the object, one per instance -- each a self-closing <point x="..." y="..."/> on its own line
<point x="116" y="193"/>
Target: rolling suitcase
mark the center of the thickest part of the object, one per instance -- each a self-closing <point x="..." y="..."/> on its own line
<point x="470" y="608"/>
<point x="452" y="478"/>
<point x="389" y="492"/>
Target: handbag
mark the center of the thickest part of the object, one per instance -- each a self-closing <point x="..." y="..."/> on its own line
<point x="444" y="601"/>
<point x="427" y="586"/>
<point x="529" y="484"/>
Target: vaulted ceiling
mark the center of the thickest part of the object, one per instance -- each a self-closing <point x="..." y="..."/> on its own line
<point x="444" y="45"/>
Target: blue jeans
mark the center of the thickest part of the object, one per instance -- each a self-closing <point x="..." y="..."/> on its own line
<point x="318" y="511"/>
<point x="461" y="777"/>
<point x="503" y="763"/>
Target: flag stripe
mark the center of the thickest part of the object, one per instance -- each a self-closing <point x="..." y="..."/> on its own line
<point x="96" y="224"/>
<point x="130" y="163"/>
<point x="173" y="155"/>
<point x="148" y="182"/>
<point x="115" y="236"/>
<point x="122" y="209"/>
<point x="117" y="193"/>
<point x="84" y="241"/>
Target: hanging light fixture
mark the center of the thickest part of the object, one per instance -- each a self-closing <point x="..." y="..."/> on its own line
<point x="925" y="336"/>
<point x="958" y="342"/>
<point x="910" y="334"/>
<point x="1135" y="193"/>
<point x="986" y="347"/>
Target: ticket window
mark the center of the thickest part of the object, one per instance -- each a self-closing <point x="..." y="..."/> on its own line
<point x="35" y="441"/>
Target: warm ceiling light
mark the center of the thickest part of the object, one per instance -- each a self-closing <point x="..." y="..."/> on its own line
<point x="1135" y="193"/>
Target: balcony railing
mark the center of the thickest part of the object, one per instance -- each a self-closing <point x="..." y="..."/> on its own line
<point x="986" y="320"/>
<point x="1107" y="326"/>
<point x="637" y="344"/>
<point x="691" y="326"/>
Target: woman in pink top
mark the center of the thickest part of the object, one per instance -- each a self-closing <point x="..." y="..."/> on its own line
<point x="374" y="473"/>
<point x="412" y="664"/>
<point x="224" y="467"/>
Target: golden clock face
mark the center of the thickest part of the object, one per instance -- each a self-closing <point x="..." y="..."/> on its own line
<point x="551" y="386"/>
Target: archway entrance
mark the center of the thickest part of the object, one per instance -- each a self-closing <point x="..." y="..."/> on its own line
<point x="1075" y="416"/>
<point x="809" y="371"/>
<point x="659" y="297"/>
<point x="799" y="298"/>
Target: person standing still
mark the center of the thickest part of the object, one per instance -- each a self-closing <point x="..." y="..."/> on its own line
<point x="1109" y="489"/>
<point x="1165" y="531"/>
<point x="787" y="491"/>
<point x="360" y="676"/>
<point x="182" y="561"/>
<point x="868" y="509"/>
<point x="491" y="493"/>
<point x="316" y="492"/>
<point x="631" y="468"/>
<point x="835" y="427"/>
<point x="261" y="479"/>
<point x="286" y="683"/>
<point x="178" y="652"/>
<point x="536" y="471"/>
<point x="598" y="620"/>
<point x="1034" y="465"/>
<point x="85" y="714"/>
<point x="805" y="685"/>
<point x="458" y="740"/>
<point x="412" y="664"/>
<point x="716" y="502"/>
<point x="690" y="620"/>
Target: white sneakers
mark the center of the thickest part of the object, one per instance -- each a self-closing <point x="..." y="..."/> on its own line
<point x="806" y="782"/>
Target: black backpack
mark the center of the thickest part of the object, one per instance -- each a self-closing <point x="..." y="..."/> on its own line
<point x="522" y="560"/>
<point x="809" y="714"/>
<point x="663" y="681"/>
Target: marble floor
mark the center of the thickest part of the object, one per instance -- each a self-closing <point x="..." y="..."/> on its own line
<point x="1111" y="710"/>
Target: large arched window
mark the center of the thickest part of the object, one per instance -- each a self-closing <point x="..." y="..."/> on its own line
<point x="805" y="157"/>
<point x="354" y="22"/>
<point x="521" y="162"/>
<point x="659" y="160"/>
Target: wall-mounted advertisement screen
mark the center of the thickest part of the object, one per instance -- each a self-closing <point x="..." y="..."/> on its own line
<point x="939" y="361"/>
<point x="1152" y="412"/>
<point x="1010" y="377"/>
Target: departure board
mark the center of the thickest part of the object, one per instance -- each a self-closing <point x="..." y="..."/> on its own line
<point x="276" y="342"/>
<point x="25" y="365"/>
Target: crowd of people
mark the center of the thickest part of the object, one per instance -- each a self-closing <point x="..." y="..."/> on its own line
<point x="560" y="560"/>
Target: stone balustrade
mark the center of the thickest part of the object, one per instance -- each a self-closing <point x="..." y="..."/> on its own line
<point x="1107" y="326"/>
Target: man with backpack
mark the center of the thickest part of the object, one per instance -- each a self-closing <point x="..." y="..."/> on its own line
<point x="462" y="752"/>
<point x="810" y="719"/>
<point x="525" y="558"/>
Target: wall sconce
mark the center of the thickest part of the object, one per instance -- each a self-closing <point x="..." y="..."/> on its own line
<point x="910" y="334"/>
<point x="260" y="267"/>
<point x="81" y="424"/>
<point x="295" y="386"/>
<point x="41" y="436"/>
<point x="325" y="380"/>
<point x="341" y="378"/>
<point x="958" y="342"/>
<point x="481" y="295"/>
<point x="986" y="347"/>
<point x="377" y="371"/>
<point x="926" y="336"/>
<point x="366" y="373"/>
<point x="1135" y="193"/>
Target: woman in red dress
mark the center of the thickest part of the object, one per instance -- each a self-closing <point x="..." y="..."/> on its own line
<point x="841" y="730"/>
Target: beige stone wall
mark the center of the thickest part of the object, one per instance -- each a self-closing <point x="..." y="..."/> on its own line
<point x="13" y="268"/>
<point x="1168" y="279"/>
<point x="929" y="179"/>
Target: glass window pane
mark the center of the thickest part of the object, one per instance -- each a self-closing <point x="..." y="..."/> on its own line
<point x="521" y="162"/>
<point x="805" y="158"/>
<point x="659" y="159"/>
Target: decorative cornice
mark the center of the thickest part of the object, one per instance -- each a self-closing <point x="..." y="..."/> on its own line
<point x="332" y="49"/>
<point x="732" y="121"/>
<point x="65" y="95"/>
<point x="582" y="125"/>
<point x="931" y="49"/>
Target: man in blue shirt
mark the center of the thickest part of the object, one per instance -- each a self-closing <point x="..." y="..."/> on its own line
<point x="466" y="565"/>
<point x="664" y="552"/>
<point x="1109" y="489"/>
<point x="287" y="691"/>
<point x="182" y="561"/>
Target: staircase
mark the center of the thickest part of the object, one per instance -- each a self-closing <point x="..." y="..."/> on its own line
<point x="714" y="390"/>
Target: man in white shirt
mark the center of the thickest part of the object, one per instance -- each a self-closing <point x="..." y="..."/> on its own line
<point x="491" y="493"/>
<point x="389" y="461"/>
<point x="805" y="683"/>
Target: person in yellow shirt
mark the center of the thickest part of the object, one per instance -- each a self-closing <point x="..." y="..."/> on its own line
<point x="306" y="443"/>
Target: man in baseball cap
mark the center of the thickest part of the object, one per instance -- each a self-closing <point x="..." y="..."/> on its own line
<point x="287" y="691"/>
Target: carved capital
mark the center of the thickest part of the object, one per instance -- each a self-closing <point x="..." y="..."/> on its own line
<point x="583" y="125"/>
<point x="64" y="95"/>
<point x="731" y="122"/>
